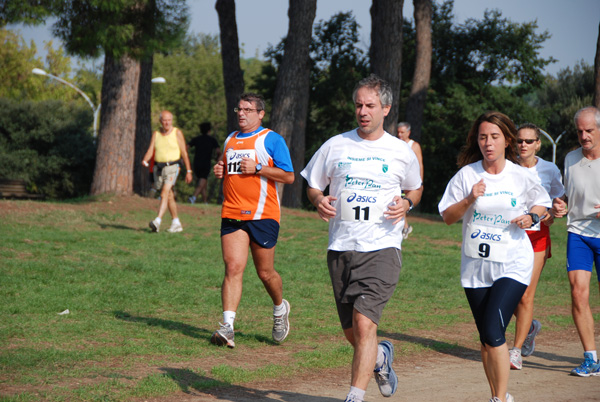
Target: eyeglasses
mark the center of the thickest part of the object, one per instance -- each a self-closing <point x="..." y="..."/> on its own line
<point x="246" y="110"/>
<point x="529" y="141"/>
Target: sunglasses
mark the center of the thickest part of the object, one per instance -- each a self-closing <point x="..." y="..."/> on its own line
<point x="520" y="141"/>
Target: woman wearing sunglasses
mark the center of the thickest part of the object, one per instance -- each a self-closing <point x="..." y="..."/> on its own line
<point x="528" y="143"/>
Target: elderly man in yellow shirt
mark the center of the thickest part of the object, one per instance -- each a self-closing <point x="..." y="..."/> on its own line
<point x="168" y="148"/>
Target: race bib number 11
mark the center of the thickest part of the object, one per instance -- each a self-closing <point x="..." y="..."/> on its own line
<point x="361" y="206"/>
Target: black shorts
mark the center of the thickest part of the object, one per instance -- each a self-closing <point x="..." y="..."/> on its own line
<point x="493" y="307"/>
<point x="202" y="172"/>
<point x="263" y="232"/>
<point x="363" y="281"/>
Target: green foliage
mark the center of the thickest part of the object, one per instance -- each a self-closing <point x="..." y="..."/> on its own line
<point x="480" y="65"/>
<point x="27" y="11"/>
<point x="338" y="63"/>
<point x="194" y="92"/>
<point x="49" y="145"/>
<point x="559" y="99"/>
<point x="19" y="59"/>
<point x="138" y="28"/>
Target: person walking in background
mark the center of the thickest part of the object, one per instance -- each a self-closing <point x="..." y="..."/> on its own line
<point x="205" y="147"/>
<point x="256" y="159"/>
<point x="526" y="328"/>
<point x="582" y="195"/>
<point x="366" y="170"/>
<point x="168" y="147"/>
<point x="497" y="200"/>
<point x="404" y="134"/>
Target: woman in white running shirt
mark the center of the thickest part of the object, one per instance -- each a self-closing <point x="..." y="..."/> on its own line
<point x="528" y="143"/>
<point x="497" y="200"/>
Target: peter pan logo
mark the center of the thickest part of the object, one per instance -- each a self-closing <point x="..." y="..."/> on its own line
<point x="384" y="168"/>
<point x="360" y="183"/>
<point x="493" y="219"/>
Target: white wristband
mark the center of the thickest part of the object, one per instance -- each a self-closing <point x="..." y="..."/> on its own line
<point x="145" y="163"/>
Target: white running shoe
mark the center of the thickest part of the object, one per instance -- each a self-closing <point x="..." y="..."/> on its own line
<point x="154" y="225"/>
<point x="516" y="361"/>
<point x="223" y="336"/>
<point x="175" y="227"/>
<point x="281" y="324"/>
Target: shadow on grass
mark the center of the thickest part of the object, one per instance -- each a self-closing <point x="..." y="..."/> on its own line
<point x="437" y="346"/>
<point x="185" y="329"/>
<point x="122" y="227"/>
<point x="194" y="384"/>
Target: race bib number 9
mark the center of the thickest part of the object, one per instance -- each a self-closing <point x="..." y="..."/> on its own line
<point x="361" y="206"/>
<point x="234" y="159"/>
<point x="487" y="243"/>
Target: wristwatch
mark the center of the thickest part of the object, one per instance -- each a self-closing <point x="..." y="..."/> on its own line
<point x="535" y="218"/>
<point x="258" y="168"/>
<point x="410" y="203"/>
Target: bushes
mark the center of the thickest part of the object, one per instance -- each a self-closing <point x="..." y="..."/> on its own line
<point x="49" y="145"/>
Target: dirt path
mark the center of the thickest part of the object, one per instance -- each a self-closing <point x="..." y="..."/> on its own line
<point x="434" y="377"/>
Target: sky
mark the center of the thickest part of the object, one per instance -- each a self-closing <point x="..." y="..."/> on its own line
<point x="573" y="24"/>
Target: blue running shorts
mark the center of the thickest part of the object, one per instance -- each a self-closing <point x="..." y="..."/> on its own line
<point x="582" y="253"/>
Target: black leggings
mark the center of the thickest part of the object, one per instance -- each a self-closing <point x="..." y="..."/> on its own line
<point x="493" y="308"/>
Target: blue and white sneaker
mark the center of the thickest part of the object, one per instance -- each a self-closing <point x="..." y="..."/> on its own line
<point x="588" y="367"/>
<point x="529" y="344"/>
<point x="386" y="377"/>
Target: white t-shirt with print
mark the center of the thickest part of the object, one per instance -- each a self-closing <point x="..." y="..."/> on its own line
<point x="492" y="247"/>
<point x="364" y="176"/>
<point x="550" y="178"/>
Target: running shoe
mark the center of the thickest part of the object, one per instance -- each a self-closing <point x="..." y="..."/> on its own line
<point x="588" y="367"/>
<point x="281" y="324"/>
<point x="386" y="377"/>
<point x="406" y="231"/>
<point x="192" y="199"/>
<point x="516" y="361"/>
<point x="175" y="227"/>
<point x="509" y="398"/>
<point x="154" y="225"/>
<point x="351" y="398"/>
<point x="529" y="344"/>
<point x="223" y="336"/>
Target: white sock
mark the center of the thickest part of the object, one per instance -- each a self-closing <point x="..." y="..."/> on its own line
<point x="279" y="310"/>
<point x="176" y="220"/>
<point x="594" y="354"/>
<point x="229" y="318"/>
<point x="380" y="357"/>
<point x="519" y="349"/>
<point x="158" y="220"/>
<point x="359" y="394"/>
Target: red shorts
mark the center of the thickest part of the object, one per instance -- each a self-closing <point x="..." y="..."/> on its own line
<point x="540" y="239"/>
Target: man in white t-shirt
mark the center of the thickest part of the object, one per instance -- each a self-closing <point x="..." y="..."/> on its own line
<point x="582" y="194"/>
<point x="366" y="170"/>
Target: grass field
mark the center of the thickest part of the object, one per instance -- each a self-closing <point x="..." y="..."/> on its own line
<point x="142" y="305"/>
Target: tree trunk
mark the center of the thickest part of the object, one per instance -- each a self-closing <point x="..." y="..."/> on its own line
<point x="290" y="101"/>
<point x="114" y="159"/>
<point x="230" y="53"/>
<point x="420" y="83"/>
<point x="143" y="129"/>
<point x="386" y="50"/>
<point x="597" y="73"/>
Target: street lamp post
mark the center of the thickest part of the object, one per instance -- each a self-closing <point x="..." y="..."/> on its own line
<point x="95" y="110"/>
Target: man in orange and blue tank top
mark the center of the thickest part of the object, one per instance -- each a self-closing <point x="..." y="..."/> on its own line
<point x="168" y="148"/>
<point x="254" y="161"/>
